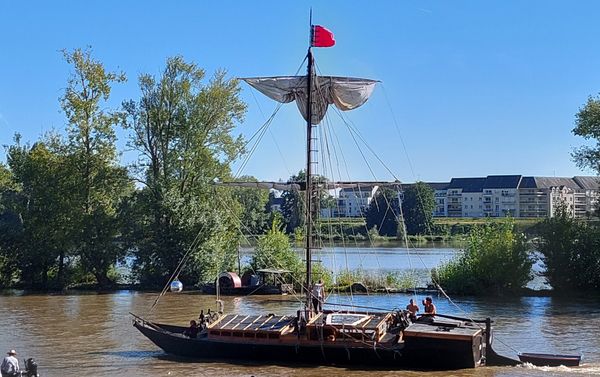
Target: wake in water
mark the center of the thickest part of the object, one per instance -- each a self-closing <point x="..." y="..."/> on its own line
<point x="584" y="369"/>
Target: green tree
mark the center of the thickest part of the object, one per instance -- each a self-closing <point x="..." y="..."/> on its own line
<point x="570" y="251"/>
<point x="383" y="212"/>
<point x="292" y="208"/>
<point x="99" y="183"/>
<point x="587" y="125"/>
<point x="37" y="231"/>
<point x="275" y="251"/>
<point x="182" y="129"/>
<point x="495" y="261"/>
<point x="418" y="203"/>
<point x="254" y="204"/>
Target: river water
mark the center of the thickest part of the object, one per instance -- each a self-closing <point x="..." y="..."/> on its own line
<point x="91" y="334"/>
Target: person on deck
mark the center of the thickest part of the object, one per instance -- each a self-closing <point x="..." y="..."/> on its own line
<point x="192" y="331"/>
<point x="10" y="365"/>
<point x="412" y="309"/>
<point x="429" y="306"/>
<point x="318" y="294"/>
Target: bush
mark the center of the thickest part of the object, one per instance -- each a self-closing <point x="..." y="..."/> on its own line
<point x="274" y="251"/>
<point x="571" y="252"/>
<point x="495" y="261"/>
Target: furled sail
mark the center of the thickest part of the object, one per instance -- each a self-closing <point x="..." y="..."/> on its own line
<point x="346" y="93"/>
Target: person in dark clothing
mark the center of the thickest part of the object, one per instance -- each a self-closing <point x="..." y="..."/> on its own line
<point x="192" y="331"/>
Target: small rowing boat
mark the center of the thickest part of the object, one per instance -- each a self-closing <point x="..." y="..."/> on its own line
<point x="550" y="360"/>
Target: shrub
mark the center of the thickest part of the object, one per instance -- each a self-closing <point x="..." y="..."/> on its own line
<point x="571" y="253"/>
<point x="496" y="260"/>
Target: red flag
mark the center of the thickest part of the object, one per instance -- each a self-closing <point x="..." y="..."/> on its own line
<point x="322" y="37"/>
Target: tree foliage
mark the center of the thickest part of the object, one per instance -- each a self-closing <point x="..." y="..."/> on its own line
<point x="275" y="251"/>
<point x="570" y="251"/>
<point x="182" y="129"/>
<point x="37" y="230"/>
<point x="292" y="208"/>
<point x="587" y="125"/>
<point x="98" y="182"/>
<point x="383" y="212"/>
<point x="418" y="203"/>
<point x="495" y="261"/>
<point x="254" y="202"/>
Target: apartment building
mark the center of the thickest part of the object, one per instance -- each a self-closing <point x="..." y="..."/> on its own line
<point x="493" y="196"/>
<point x="464" y="197"/>
<point x="354" y="202"/>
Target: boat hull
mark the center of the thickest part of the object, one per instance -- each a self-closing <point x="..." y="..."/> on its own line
<point x="432" y="355"/>
<point x="550" y="360"/>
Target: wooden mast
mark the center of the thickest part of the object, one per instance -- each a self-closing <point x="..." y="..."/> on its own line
<point x="309" y="188"/>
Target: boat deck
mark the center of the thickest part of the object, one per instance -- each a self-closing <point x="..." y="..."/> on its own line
<point x="250" y="326"/>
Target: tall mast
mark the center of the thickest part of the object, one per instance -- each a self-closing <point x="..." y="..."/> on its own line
<point x="309" y="187"/>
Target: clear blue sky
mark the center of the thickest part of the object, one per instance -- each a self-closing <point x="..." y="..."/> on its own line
<point x="469" y="88"/>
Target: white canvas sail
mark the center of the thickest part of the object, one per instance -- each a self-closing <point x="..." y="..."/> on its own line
<point x="346" y="93"/>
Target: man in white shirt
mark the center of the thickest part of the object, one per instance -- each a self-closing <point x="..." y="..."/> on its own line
<point x="10" y="365"/>
<point x="318" y="294"/>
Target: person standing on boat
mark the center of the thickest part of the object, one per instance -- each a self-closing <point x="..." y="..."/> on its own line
<point x="429" y="306"/>
<point x="10" y="365"/>
<point x="318" y="294"/>
<point x="412" y="309"/>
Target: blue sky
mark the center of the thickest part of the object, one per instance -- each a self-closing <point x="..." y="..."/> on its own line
<point x="469" y="88"/>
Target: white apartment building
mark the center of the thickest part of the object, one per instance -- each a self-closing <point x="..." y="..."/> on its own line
<point x="491" y="196"/>
<point x="354" y="202"/>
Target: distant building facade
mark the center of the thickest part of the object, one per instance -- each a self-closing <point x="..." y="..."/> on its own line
<point x="494" y="196"/>
<point x="354" y="202"/>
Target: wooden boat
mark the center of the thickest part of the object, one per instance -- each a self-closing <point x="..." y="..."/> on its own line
<point x="267" y="281"/>
<point x="334" y="338"/>
<point x="550" y="360"/>
<point x="369" y="338"/>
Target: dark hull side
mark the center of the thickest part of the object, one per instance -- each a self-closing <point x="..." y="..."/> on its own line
<point x="433" y="355"/>
<point x="548" y="360"/>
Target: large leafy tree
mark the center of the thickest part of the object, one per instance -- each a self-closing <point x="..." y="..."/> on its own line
<point x="418" y="204"/>
<point x="182" y="128"/>
<point x="99" y="183"/>
<point x="384" y="211"/>
<point x="587" y="125"/>
<point x="254" y="217"/>
<point x="292" y="208"/>
<point x="37" y="224"/>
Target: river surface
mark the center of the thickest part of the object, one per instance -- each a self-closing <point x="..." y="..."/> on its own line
<point x="91" y="334"/>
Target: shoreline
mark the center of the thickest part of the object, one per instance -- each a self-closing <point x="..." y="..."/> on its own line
<point x="523" y="292"/>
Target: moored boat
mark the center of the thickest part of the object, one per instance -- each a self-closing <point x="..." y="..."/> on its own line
<point x="271" y="281"/>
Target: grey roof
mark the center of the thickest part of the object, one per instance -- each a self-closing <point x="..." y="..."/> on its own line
<point x="588" y="183"/>
<point x="527" y="182"/>
<point x="467" y="184"/>
<point x="502" y="181"/>
<point x="547" y="182"/>
<point x="438" y="185"/>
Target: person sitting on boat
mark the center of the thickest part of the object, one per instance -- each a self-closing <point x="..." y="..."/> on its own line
<point x="10" y="365"/>
<point x="412" y="309"/>
<point x="429" y="306"/>
<point x="192" y="331"/>
<point x="318" y="294"/>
